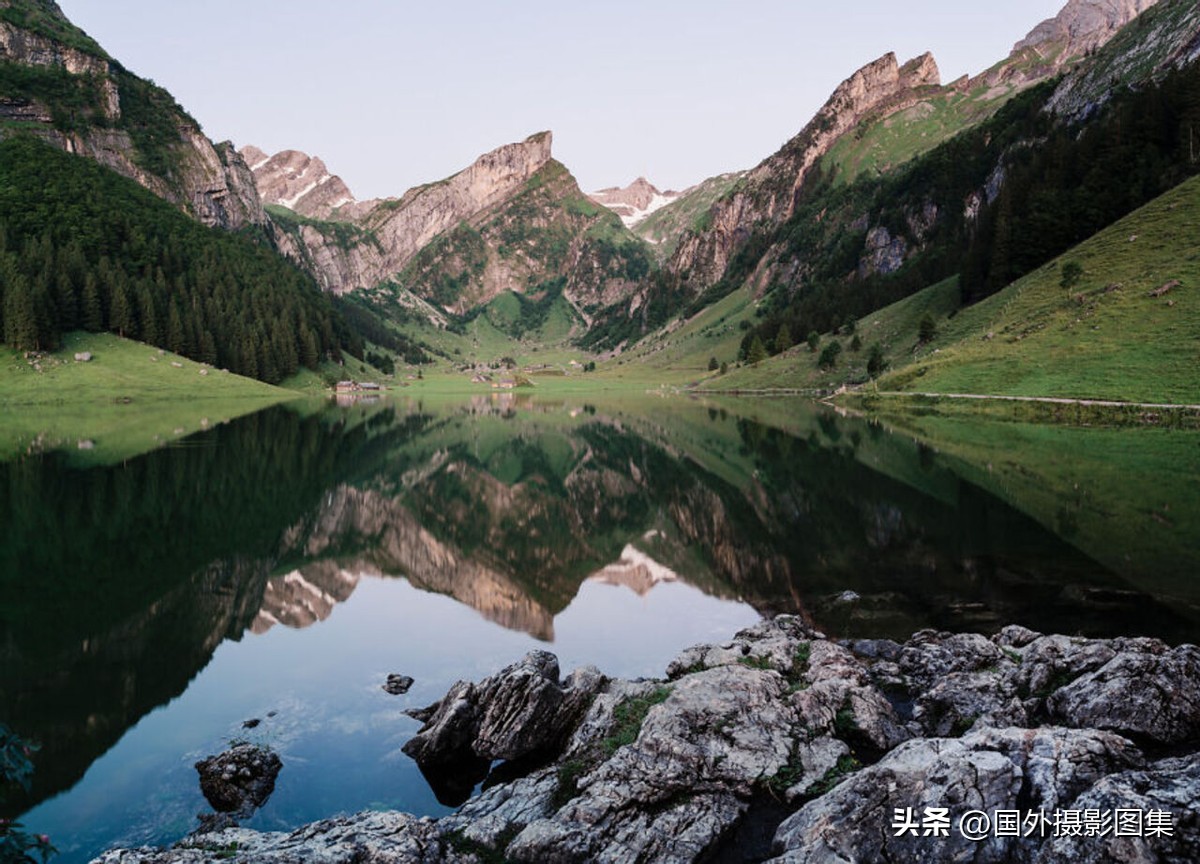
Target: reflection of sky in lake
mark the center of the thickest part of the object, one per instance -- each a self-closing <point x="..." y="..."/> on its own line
<point x="338" y="732"/>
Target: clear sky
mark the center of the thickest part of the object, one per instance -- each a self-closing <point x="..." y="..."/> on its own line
<point x="392" y="94"/>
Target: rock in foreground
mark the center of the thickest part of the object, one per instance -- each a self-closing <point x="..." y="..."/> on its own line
<point x="240" y="780"/>
<point x="786" y="746"/>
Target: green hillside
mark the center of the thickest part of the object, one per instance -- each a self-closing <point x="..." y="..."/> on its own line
<point x="1106" y="336"/>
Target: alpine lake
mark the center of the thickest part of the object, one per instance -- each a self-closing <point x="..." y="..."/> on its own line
<point x="279" y="566"/>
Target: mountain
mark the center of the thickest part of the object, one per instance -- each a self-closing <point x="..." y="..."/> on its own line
<point x="299" y="182"/>
<point x="56" y="82"/>
<point x="118" y="214"/>
<point x="663" y="227"/>
<point x="515" y="221"/>
<point x="636" y="201"/>
<point x="884" y="191"/>
<point x="768" y="192"/>
<point x="369" y="242"/>
<point x="887" y="95"/>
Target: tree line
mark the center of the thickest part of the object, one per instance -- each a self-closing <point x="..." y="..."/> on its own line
<point x="82" y="248"/>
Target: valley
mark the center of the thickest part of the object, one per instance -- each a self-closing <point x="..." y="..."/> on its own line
<point x="857" y="478"/>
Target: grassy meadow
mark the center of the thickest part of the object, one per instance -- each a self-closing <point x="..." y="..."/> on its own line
<point x="127" y="399"/>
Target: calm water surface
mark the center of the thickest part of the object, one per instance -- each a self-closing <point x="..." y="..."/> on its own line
<point x="280" y="566"/>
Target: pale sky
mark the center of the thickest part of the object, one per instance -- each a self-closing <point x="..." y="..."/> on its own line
<point x="392" y="94"/>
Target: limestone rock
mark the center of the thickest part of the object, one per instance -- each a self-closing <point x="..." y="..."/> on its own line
<point x="1171" y="786"/>
<point x="767" y="193"/>
<point x="380" y="838"/>
<point x="685" y="780"/>
<point x="1153" y="693"/>
<point x="678" y="770"/>
<point x="400" y="226"/>
<point x="520" y="711"/>
<point x="208" y="181"/>
<point x="986" y="770"/>
<point x="1080" y="26"/>
<point x="240" y="780"/>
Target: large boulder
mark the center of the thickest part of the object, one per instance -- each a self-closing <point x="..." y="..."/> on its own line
<point x="682" y="781"/>
<point x="521" y="711"/>
<point x="1006" y="769"/>
<point x="1144" y="691"/>
<point x="1170" y="788"/>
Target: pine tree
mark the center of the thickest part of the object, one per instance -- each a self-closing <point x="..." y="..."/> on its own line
<point x="121" y="316"/>
<point x="20" y="322"/>
<point x="757" y="352"/>
<point x="783" y="339"/>
<point x="90" y="313"/>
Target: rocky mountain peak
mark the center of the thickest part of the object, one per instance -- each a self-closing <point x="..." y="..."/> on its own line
<point x="495" y="174"/>
<point x="1080" y="26"/>
<point x="768" y="192"/>
<point x="876" y="83"/>
<point x="297" y="181"/>
<point x="635" y="202"/>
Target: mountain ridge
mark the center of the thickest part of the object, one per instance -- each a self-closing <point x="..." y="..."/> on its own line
<point x="115" y="118"/>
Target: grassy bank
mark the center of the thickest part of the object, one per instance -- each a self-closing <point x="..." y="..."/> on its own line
<point x="129" y="398"/>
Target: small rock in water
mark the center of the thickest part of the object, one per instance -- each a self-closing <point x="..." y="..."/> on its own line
<point x="398" y="685"/>
<point x="240" y="780"/>
<point x="847" y="597"/>
<point x="251" y="723"/>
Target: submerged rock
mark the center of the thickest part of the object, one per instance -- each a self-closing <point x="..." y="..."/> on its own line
<point x="782" y="742"/>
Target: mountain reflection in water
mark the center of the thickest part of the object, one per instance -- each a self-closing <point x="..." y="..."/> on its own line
<point x="120" y="583"/>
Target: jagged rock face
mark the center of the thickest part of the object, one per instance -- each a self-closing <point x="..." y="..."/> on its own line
<point x="393" y="229"/>
<point x="210" y="182"/>
<point x="522" y="710"/>
<point x="636" y="201"/>
<point x="299" y="182"/>
<point x="32" y="49"/>
<point x="1167" y="37"/>
<point x="1080" y="26"/>
<point x="767" y="194"/>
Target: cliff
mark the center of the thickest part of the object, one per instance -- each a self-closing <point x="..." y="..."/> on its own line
<point x="62" y="86"/>
<point x="767" y="194"/>
<point x="897" y="113"/>
<point x="1080" y="26"/>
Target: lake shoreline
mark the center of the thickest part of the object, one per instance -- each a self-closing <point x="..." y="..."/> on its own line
<point x="784" y="745"/>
